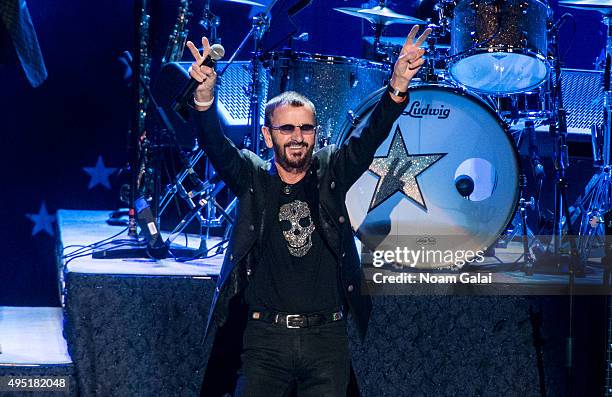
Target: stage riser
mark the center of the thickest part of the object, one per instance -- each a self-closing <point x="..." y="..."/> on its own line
<point x="137" y="335"/>
<point x="140" y="336"/>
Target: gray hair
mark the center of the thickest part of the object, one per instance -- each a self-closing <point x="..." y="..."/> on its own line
<point x="291" y="98"/>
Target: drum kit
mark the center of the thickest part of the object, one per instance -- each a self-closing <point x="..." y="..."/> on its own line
<point x="471" y="103"/>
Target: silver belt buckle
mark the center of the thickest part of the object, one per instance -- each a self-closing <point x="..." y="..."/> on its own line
<point x="287" y="320"/>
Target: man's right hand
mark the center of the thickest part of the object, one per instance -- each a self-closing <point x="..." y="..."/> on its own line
<point x="205" y="75"/>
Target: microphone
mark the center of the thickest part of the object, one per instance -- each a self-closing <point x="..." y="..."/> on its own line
<point x="216" y="52"/>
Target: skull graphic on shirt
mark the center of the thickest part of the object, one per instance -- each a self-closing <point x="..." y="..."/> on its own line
<point x="297" y="227"/>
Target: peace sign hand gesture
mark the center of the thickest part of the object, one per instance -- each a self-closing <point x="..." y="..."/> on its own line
<point x="410" y="59"/>
<point x="205" y="75"/>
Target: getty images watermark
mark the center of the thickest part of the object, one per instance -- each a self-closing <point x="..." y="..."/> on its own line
<point x="425" y="259"/>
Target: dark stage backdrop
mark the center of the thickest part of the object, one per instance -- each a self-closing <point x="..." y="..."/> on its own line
<point x="63" y="144"/>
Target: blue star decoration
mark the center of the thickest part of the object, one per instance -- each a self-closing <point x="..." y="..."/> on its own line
<point x="99" y="174"/>
<point x="398" y="172"/>
<point x="43" y="221"/>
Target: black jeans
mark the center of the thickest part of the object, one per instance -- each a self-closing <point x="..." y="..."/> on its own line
<point x="275" y="359"/>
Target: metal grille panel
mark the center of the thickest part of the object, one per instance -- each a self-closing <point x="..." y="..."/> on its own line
<point x="582" y="98"/>
<point x="233" y="92"/>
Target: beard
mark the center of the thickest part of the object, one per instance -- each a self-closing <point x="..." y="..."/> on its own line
<point x="292" y="161"/>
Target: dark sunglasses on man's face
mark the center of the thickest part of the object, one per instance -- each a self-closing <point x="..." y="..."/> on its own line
<point x="289" y="128"/>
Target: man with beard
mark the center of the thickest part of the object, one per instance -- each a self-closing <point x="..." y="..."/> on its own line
<point x="292" y="273"/>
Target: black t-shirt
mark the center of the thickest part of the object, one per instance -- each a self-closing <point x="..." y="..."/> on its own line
<point x="295" y="271"/>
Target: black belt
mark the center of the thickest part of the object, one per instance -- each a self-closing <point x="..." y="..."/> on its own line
<point x="296" y="320"/>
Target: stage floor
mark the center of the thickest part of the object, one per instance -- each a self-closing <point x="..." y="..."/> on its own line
<point x="31" y="336"/>
<point x="79" y="228"/>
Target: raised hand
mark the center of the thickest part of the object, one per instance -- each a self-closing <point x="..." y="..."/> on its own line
<point x="410" y="59"/>
<point x="205" y="75"/>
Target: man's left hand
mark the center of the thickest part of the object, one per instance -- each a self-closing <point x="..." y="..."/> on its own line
<point x="409" y="61"/>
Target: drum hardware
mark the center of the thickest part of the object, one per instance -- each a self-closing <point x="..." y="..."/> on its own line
<point x="380" y="16"/>
<point x="499" y="47"/>
<point x="597" y="199"/>
<point x="562" y="215"/>
<point x="437" y="54"/>
<point x="206" y="197"/>
<point x="535" y="105"/>
<point x="519" y="222"/>
<point x="260" y="25"/>
<point x="606" y="260"/>
<point x="534" y="157"/>
<point x="558" y="130"/>
<point x="210" y="22"/>
<point x="519" y="225"/>
<point x="399" y="41"/>
<point x="178" y="185"/>
<point x="597" y="142"/>
<point x="526" y="233"/>
<point x="434" y="55"/>
<point x="443" y="11"/>
<point x="538" y="171"/>
<point x="387" y="49"/>
<point x="245" y="2"/>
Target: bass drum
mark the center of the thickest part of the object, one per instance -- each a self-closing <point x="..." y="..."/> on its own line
<point x="446" y="145"/>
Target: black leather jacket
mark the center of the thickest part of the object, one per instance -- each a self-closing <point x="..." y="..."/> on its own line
<point x="247" y="176"/>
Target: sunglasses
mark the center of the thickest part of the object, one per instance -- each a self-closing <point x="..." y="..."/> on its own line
<point x="287" y="129"/>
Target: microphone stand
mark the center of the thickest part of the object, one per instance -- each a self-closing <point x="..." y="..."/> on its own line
<point x="140" y="13"/>
<point x="261" y="23"/>
<point x="558" y="130"/>
<point x="523" y="204"/>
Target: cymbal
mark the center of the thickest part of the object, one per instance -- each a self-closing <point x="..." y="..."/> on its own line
<point x="602" y="6"/>
<point x="399" y="41"/>
<point x="380" y="15"/>
<point x="247" y="2"/>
